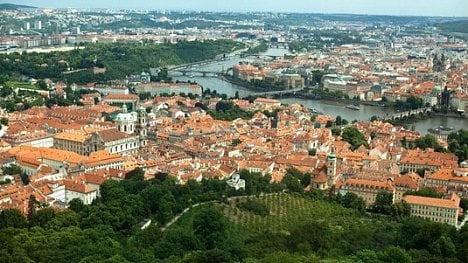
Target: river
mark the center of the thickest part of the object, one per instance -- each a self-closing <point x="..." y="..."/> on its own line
<point x="327" y="107"/>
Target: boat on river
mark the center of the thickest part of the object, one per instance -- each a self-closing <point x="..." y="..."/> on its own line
<point x="353" y="107"/>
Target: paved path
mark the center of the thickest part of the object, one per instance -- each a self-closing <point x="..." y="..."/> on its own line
<point x="462" y="223"/>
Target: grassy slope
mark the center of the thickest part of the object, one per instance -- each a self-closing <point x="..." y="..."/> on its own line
<point x="286" y="211"/>
<point x="20" y="84"/>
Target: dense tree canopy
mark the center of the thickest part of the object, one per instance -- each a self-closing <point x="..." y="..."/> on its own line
<point x="354" y="137"/>
<point x="108" y="230"/>
<point x="227" y="111"/>
<point x="458" y="144"/>
<point x="119" y="59"/>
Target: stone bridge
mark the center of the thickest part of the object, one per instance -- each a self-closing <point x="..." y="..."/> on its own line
<point x="203" y="73"/>
<point x="411" y="113"/>
<point x="274" y="57"/>
<point x="279" y="92"/>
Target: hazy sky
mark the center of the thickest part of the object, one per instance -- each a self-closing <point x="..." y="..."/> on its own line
<point x="387" y="7"/>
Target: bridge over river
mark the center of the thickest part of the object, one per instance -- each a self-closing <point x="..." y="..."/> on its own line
<point x="278" y="92"/>
<point x="198" y="73"/>
<point x="409" y="114"/>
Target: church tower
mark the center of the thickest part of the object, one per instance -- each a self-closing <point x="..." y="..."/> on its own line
<point x="331" y="169"/>
<point x="142" y="125"/>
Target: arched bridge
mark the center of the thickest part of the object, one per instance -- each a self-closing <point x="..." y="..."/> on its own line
<point x="274" y="57"/>
<point x="203" y="73"/>
<point x="411" y="113"/>
<point x="276" y="93"/>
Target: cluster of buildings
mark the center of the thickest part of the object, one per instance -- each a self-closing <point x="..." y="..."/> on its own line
<point x="68" y="152"/>
<point x="286" y="78"/>
<point x="429" y="66"/>
<point x="72" y="150"/>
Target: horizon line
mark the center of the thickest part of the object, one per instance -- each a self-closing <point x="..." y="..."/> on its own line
<point x="243" y="11"/>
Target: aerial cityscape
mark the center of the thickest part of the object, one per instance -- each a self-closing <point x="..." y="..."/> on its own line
<point x="210" y="131"/>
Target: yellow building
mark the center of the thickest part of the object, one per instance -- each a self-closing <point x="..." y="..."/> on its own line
<point x="367" y="189"/>
<point x="111" y="140"/>
<point x="435" y="209"/>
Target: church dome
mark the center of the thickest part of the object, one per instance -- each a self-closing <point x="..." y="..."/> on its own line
<point x="125" y="117"/>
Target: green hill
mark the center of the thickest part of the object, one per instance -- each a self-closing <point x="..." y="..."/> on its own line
<point x="455" y="26"/>
<point x="304" y="229"/>
<point x="8" y="6"/>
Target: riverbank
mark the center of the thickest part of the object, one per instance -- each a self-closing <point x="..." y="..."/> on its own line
<point x="333" y="107"/>
<point x="341" y="101"/>
<point x="450" y="115"/>
<point x="243" y="83"/>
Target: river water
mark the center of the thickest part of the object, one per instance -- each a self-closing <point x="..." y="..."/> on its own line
<point x="327" y="107"/>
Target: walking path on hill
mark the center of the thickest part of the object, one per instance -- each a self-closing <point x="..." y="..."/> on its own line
<point x="462" y="223"/>
<point x="175" y="219"/>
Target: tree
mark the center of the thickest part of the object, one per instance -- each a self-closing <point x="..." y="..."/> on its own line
<point x="4" y="121"/>
<point x="224" y="105"/>
<point x="458" y="144"/>
<point x="163" y="74"/>
<point x="429" y="141"/>
<point x="25" y="178"/>
<point x="338" y="120"/>
<point x="12" y="218"/>
<point x="31" y="206"/>
<point x="354" y="137"/>
<point x="395" y="255"/>
<point x="336" y="131"/>
<point x="383" y="203"/>
<point x="421" y="171"/>
<point x="42" y="217"/>
<point x="209" y="226"/>
<point x="76" y="205"/>
<point x="236" y="142"/>
<point x="41" y="84"/>
<point x="312" y="152"/>
<point x="444" y="247"/>
<point x="351" y="200"/>
<point x="317" y="235"/>
<point x="209" y="256"/>
<point x="313" y="117"/>
<point x="427" y="192"/>
<point x="137" y="174"/>
<point x="400" y="210"/>
<point x="144" y="95"/>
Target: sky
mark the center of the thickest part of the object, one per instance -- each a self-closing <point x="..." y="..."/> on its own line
<point x="382" y="7"/>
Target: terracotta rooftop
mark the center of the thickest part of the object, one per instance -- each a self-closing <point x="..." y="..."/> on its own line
<point x="453" y="202"/>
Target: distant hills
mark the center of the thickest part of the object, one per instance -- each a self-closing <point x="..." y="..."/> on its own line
<point x="14" y="7"/>
<point x="455" y="26"/>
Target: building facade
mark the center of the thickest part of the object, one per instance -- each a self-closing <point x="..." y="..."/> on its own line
<point x="435" y="209"/>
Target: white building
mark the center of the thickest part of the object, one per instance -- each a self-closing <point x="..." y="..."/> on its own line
<point x="38" y="25"/>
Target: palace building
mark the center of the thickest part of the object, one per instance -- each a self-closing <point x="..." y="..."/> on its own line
<point x="129" y="135"/>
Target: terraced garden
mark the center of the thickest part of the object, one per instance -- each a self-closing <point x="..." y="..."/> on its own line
<point x="285" y="211"/>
